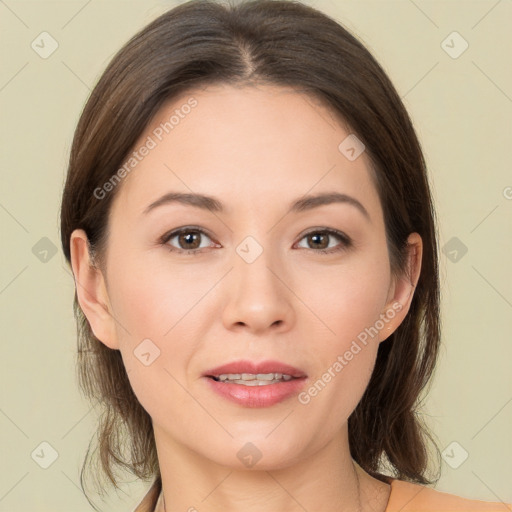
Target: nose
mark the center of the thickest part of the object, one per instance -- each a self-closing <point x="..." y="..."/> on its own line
<point x="259" y="298"/>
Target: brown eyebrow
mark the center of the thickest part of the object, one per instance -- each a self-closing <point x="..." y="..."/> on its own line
<point x="304" y="203"/>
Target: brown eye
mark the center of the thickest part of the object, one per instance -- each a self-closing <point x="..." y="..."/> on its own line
<point x="187" y="240"/>
<point x="319" y="240"/>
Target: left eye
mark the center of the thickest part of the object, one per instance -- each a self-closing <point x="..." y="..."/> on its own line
<point x="316" y="237"/>
<point x="189" y="240"/>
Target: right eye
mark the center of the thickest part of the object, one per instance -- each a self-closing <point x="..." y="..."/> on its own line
<point x="188" y="238"/>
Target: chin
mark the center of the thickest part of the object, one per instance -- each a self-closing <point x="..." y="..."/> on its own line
<point x="258" y="453"/>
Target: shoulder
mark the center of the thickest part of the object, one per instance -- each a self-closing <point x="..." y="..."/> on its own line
<point x="151" y="500"/>
<point x="411" y="497"/>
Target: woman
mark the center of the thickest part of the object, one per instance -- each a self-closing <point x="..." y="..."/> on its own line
<point x="249" y="222"/>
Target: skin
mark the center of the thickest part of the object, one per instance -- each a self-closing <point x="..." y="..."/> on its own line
<point x="246" y="146"/>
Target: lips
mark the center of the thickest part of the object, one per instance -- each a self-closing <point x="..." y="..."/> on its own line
<point x="266" y="393"/>
<point x="246" y="366"/>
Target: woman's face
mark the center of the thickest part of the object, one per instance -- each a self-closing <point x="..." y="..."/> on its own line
<point x="256" y="286"/>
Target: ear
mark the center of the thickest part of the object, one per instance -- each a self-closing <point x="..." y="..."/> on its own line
<point x="91" y="290"/>
<point x="401" y="290"/>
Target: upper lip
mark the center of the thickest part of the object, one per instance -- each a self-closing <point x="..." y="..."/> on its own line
<point x="245" y="366"/>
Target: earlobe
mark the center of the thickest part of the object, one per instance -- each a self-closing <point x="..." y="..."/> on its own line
<point x="91" y="290"/>
<point x="402" y="289"/>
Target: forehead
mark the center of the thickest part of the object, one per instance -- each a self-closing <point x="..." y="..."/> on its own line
<point x="251" y="146"/>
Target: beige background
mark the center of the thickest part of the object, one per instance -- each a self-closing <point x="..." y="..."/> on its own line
<point x="461" y="108"/>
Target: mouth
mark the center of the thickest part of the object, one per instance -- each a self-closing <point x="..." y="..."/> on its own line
<point x="251" y="379"/>
<point x="249" y="373"/>
<point x="251" y="384"/>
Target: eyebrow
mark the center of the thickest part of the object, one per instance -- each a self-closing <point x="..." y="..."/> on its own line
<point x="300" y="205"/>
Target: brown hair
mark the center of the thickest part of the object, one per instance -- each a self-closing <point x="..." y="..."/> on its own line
<point x="281" y="43"/>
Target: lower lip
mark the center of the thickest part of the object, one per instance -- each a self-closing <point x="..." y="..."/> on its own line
<point x="257" y="396"/>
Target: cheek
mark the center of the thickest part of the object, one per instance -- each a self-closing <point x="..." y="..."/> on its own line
<point x="155" y="334"/>
<point x="152" y="299"/>
<point x="347" y="299"/>
<point x="157" y="338"/>
<point x="349" y="302"/>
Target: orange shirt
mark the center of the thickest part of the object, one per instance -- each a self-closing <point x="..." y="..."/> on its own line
<point x="404" y="497"/>
<point x="409" y="497"/>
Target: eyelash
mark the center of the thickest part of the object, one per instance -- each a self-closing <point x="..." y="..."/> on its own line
<point x="346" y="242"/>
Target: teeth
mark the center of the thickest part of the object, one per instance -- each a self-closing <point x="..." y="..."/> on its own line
<point x="251" y="379"/>
<point x="253" y="382"/>
<point x="226" y="376"/>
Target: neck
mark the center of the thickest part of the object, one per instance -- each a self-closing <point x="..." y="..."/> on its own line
<point x="327" y="480"/>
